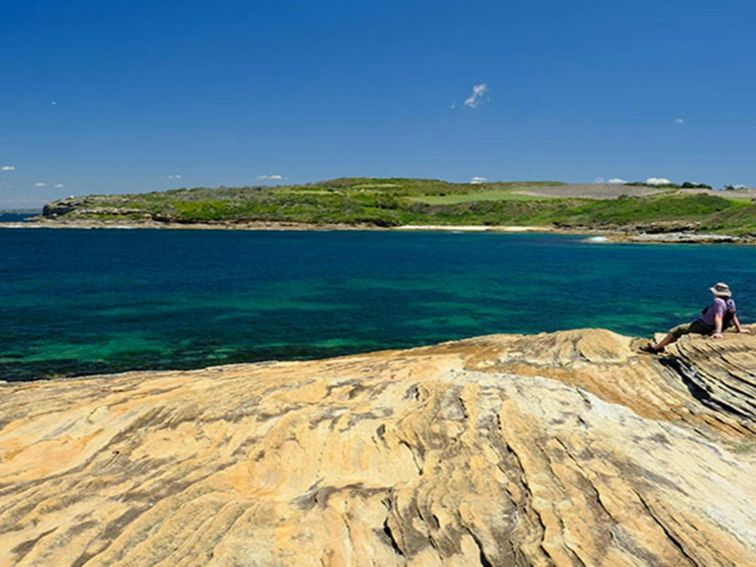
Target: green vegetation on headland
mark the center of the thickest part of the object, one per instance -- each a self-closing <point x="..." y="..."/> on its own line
<point x="397" y="201"/>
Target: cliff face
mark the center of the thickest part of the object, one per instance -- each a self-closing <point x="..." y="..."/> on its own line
<point x="567" y="448"/>
<point x="94" y="205"/>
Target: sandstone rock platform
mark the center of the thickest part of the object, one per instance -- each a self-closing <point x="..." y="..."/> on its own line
<point x="568" y="448"/>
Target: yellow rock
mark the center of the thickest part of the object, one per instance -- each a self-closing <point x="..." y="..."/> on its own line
<point x="567" y="448"/>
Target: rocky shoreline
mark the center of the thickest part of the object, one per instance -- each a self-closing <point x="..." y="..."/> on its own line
<point x="567" y="448"/>
<point x="689" y="238"/>
<point x="658" y="235"/>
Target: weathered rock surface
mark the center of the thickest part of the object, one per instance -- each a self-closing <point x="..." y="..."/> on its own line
<point x="685" y="237"/>
<point x="557" y="449"/>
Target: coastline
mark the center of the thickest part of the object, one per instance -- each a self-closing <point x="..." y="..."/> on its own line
<point x="600" y="235"/>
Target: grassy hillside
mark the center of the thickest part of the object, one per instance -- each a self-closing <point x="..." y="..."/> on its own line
<point x="392" y="202"/>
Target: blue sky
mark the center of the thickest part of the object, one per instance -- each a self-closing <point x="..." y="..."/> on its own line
<point x="117" y="96"/>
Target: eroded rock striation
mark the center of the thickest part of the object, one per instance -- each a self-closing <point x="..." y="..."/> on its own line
<point x="555" y="449"/>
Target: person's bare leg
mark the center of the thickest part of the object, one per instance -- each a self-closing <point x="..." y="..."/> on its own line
<point x="668" y="340"/>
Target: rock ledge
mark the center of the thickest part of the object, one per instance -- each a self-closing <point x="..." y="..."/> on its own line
<point x="555" y="449"/>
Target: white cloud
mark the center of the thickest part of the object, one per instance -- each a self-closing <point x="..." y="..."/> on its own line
<point x="477" y="180"/>
<point x="739" y="186"/>
<point x="478" y="92"/>
<point x="40" y="184"/>
<point x="453" y="105"/>
<point x="617" y="181"/>
<point x="679" y="120"/>
<point x="59" y="186"/>
<point x="54" y="102"/>
<point x="8" y="168"/>
<point x="657" y="181"/>
<point x="599" y="180"/>
<point x="175" y="176"/>
<point x="273" y="177"/>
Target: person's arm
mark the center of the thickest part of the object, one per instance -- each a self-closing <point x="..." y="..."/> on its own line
<point x="717" y="326"/>
<point x="738" y="327"/>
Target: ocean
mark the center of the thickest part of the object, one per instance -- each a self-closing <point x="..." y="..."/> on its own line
<point x="16" y="216"/>
<point x="75" y="302"/>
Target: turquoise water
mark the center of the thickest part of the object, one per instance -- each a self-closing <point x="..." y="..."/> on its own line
<point x="93" y="301"/>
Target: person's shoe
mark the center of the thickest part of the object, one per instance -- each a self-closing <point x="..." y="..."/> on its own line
<point x="651" y="349"/>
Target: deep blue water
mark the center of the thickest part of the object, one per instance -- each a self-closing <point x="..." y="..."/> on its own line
<point x="8" y="216"/>
<point x="93" y="301"/>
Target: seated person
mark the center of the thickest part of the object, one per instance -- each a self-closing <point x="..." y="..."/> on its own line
<point x="717" y="317"/>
